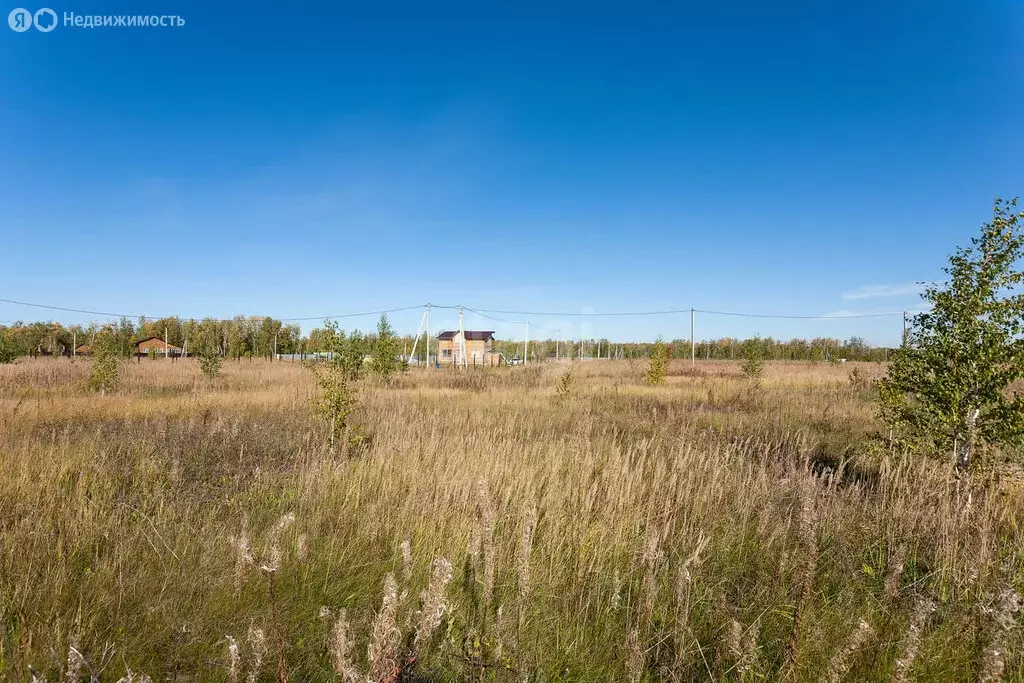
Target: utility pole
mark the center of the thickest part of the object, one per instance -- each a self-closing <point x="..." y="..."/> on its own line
<point x="275" y="342"/>
<point x="526" y="345"/>
<point x="462" y="339"/>
<point x="166" y="349"/>
<point x="428" y="335"/>
<point x="693" y="347"/>
<point x="74" y="344"/>
<point x="904" y="329"/>
<point x="557" y="339"/>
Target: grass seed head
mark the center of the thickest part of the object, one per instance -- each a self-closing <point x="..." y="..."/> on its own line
<point x="385" y="635"/>
<point x="406" y="560"/>
<point x="525" y="550"/>
<point x="895" y="571"/>
<point x="912" y="641"/>
<point x="636" y="658"/>
<point x="75" y="664"/>
<point x="842" y="660"/>
<point x="259" y="649"/>
<point x="433" y="606"/>
<point x="234" y="660"/>
<point x="342" y="650"/>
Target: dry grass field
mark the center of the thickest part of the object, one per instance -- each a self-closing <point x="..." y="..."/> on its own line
<point x="709" y="528"/>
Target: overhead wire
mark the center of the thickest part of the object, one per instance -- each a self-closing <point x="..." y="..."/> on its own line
<point x="680" y="311"/>
<point x="485" y="313"/>
<point x="799" y="317"/>
<point x="352" y="315"/>
<point x="136" y="316"/>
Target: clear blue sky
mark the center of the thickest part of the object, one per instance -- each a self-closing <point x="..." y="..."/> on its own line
<point x="299" y="160"/>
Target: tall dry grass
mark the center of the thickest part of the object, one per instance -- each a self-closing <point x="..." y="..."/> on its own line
<point x="711" y="527"/>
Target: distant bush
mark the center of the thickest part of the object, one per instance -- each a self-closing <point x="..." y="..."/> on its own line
<point x="335" y="403"/>
<point x="564" y="388"/>
<point x="335" y="378"/>
<point x="209" y="361"/>
<point x="385" y="361"/>
<point x="8" y="350"/>
<point x="106" y="365"/>
<point x="658" y="363"/>
<point x="754" y="355"/>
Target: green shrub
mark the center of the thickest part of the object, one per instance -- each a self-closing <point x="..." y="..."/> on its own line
<point x="336" y="380"/>
<point x="8" y="350"/>
<point x="106" y="364"/>
<point x="334" y="404"/>
<point x="209" y="361"/>
<point x="754" y="355"/>
<point x="385" y="361"/>
<point x="658" y="363"/>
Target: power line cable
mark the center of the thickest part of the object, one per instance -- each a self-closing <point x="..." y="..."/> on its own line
<point x="70" y="310"/>
<point x="491" y="317"/>
<point x="152" y="317"/>
<point x="351" y="315"/>
<point x="681" y="311"/>
<point x="484" y="312"/>
<point x="798" y="317"/>
<point x="533" y="326"/>
<point x="578" y="314"/>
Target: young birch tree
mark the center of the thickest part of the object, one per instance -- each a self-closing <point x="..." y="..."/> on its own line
<point x="948" y="391"/>
<point x="386" y="348"/>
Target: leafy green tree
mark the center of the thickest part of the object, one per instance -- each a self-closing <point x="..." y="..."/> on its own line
<point x="346" y="351"/>
<point x="334" y="403"/>
<point x="209" y="361"/>
<point x="657" y="363"/>
<point x="206" y="346"/>
<point x="290" y="339"/>
<point x="755" y="351"/>
<point x="9" y="351"/>
<point x="948" y="390"/>
<point x="267" y="330"/>
<point x="237" y="338"/>
<point x="108" y="355"/>
<point x="209" y="358"/>
<point x="336" y="379"/>
<point x="385" y="361"/>
<point x="122" y="337"/>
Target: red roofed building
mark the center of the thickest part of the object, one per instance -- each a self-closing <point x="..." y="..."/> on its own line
<point x="156" y="345"/>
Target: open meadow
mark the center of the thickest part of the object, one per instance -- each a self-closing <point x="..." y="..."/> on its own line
<point x="504" y="524"/>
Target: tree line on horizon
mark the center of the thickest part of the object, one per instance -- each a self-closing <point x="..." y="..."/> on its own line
<point x="724" y="348"/>
<point x="259" y="337"/>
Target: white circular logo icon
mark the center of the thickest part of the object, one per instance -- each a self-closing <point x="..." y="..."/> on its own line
<point x="45" y="20"/>
<point x="20" y="20"/>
